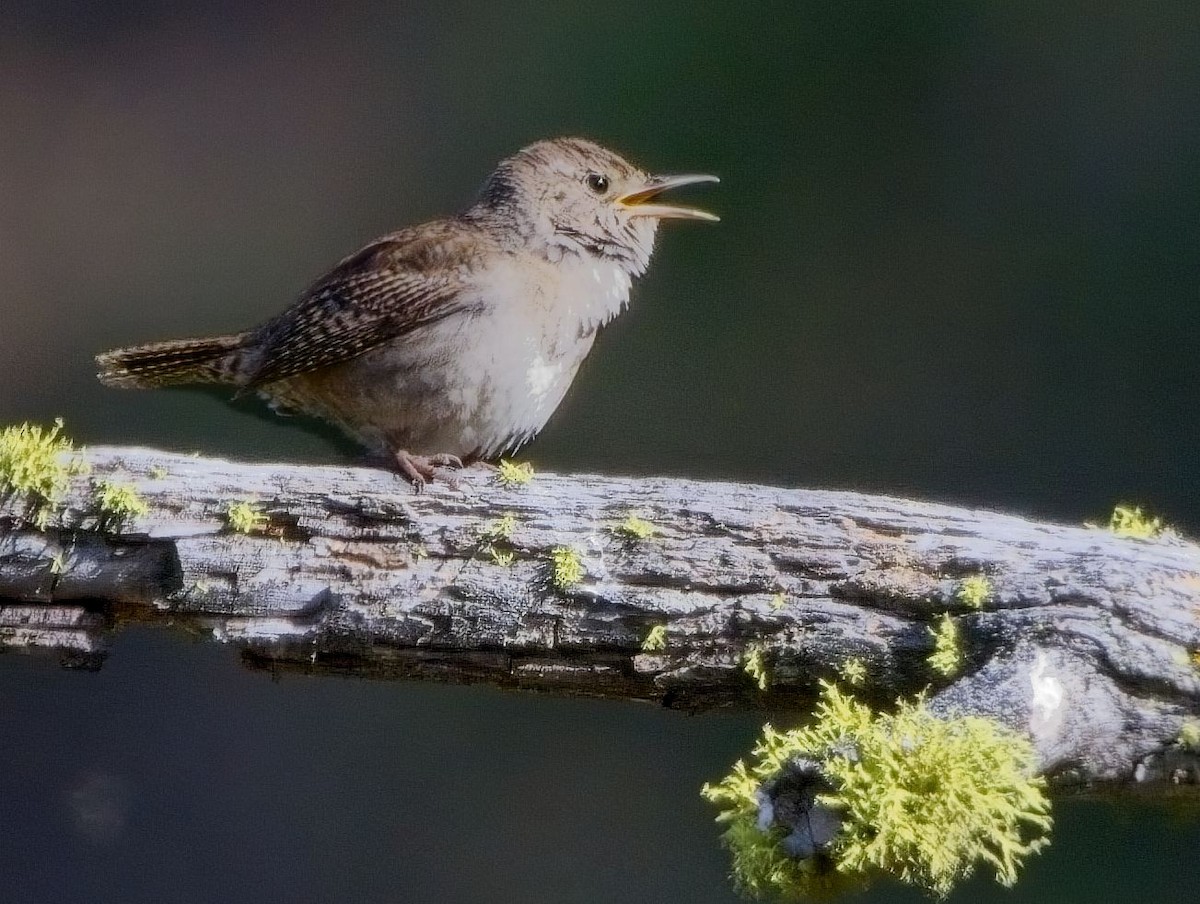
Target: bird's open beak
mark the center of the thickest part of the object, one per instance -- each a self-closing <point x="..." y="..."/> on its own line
<point x="636" y="201"/>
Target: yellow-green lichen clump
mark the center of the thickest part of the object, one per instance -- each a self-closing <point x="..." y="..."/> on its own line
<point x="567" y="567"/>
<point x="947" y="647"/>
<point x="754" y="666"/>
<point x="656" y="640"/>
<point x="500" y="530"/>
<point x="1129" y="521"/>
<point x="853" y="671"/>
<point x="495" y="537"/>
<point x="37" y="464"/>
<point x="975" y="590"/>
<point x="635" y="528"/>
<point x="245" y="518"/>
<point x="118" y="502"/>
<point x="1189" y="735"/>
<point x="511" y="475"/>
<point x="924" y="799"/>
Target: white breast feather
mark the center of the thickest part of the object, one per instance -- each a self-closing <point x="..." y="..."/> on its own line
<point x="541" y="376"/>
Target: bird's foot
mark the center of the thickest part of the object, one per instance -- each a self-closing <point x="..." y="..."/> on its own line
<point x="420" y="469"/>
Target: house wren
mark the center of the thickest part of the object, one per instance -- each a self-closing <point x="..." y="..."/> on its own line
<point x="455" y="340"/>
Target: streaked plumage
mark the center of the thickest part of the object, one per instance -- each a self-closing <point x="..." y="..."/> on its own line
<point x="456" y="339"/>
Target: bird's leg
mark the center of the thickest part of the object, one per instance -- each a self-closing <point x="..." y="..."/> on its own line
<point x="419" y="469"/>
<point x="414" y="468"/>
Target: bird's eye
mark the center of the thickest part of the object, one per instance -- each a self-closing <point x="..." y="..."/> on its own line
<point x="597" y="183"/>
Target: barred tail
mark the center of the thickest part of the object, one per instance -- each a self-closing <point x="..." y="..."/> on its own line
<point x="172" y="362"/>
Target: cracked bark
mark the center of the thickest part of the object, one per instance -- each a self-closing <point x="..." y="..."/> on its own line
<point x="1086" y="640"/>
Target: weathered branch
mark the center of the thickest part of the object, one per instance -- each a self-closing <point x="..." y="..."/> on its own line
<point x="1084" y="639"/>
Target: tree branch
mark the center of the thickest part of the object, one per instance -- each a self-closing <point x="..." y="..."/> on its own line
<point x="1084" y="639"/>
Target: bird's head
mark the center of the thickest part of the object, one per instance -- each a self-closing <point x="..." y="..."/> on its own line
<point x="570" y="195"/>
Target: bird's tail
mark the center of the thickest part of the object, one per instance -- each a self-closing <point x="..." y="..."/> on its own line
<point x="172" y="362"/>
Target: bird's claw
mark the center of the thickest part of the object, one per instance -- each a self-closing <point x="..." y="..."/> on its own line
<point x="420" y="469"/>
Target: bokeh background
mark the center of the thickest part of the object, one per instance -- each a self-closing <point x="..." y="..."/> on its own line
<point x="958" y="259"/>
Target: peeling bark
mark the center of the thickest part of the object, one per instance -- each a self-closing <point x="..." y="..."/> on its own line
<point x="1086" y="640"/>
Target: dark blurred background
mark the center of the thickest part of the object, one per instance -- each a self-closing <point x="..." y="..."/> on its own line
<point x="958" y="259"/>
<point x="959" y="255"/>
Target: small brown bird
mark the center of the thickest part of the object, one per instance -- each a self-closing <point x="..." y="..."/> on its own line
<point x="455" y="340"/>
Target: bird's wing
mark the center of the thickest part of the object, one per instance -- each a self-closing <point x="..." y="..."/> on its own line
<point x="393" y="286"/>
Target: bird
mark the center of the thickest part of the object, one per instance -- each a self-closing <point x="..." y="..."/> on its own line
<point x="450" y="342"/>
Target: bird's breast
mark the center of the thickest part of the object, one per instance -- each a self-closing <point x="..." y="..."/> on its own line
<point x="543" y="321"/>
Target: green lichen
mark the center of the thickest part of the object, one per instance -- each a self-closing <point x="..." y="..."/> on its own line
<point x="495" y="537"/>
<point x="853" y="671"/>
<point x="1189" y="735"/>
<point x="118" y="503"/>
<point x="245" y="518"/>
<point x="947" y="650"/>
<point x="778" y="601"/>
<point x="568" y="567"/>
<point x="1129" y="521"/>
<point x="656" y="640"/>
<point x="37" y="465"/>
<point x="974" y="591"/>
<point x="510" y="474"/>
<point x="754" y="666"/>
<point x="924" y="799"/>
<point x="500" y="530"/>
<point x="760" y="866"/>
<point x="157" y="472"/>
<point x="635" y="528"/>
